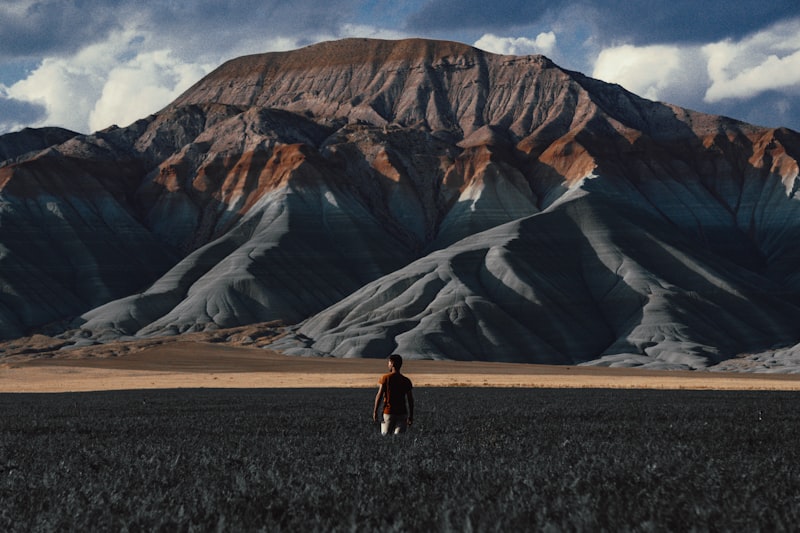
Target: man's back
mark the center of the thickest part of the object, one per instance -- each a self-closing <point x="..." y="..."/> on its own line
<point x="397" y="386"/>
<point x="394" y="390"/>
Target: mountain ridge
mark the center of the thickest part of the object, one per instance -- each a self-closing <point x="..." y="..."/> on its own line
<point x="401" y="195"/>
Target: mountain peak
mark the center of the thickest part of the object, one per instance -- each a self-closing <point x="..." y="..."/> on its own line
<point x="376" y="51"/>
<point x="440" y="85"/>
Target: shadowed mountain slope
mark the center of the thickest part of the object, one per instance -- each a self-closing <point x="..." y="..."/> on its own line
<point x="416" y="196"/>
<point x="29" y="140"/>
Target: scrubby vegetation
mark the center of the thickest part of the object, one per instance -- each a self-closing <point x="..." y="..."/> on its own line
<point x="480" y="459"/>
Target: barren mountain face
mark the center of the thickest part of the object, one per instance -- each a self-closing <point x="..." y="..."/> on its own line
<point x="418" y="197"/>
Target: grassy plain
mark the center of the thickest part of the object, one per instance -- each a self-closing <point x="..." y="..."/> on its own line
<point x="201" y="436"/>
<point x="486" y="459"/>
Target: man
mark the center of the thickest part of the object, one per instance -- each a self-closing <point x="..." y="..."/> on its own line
<point x="394" y="389"/>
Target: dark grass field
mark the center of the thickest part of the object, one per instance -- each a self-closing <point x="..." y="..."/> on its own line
<point x="476" y="459"/>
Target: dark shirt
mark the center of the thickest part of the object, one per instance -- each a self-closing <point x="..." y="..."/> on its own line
<point x="396" y="387"/>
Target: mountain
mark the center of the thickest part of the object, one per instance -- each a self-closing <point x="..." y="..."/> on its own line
<point x="18" y="144"/>
<point x="416" y="196"/>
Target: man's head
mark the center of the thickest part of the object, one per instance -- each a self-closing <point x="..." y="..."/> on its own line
<point x="396" y="360"/>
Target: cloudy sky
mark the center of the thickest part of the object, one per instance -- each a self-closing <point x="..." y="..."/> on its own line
<point x="88" y="64"/>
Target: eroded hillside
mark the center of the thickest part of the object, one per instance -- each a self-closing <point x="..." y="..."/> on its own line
<point x="416" y="196"/>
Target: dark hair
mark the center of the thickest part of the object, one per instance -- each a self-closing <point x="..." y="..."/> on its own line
<point x="396" y="360"/>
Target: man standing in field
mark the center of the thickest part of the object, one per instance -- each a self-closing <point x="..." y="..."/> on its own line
<point x="394" y="389"/>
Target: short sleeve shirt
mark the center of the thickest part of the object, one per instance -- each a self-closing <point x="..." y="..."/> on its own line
<point x="397" y="386"/>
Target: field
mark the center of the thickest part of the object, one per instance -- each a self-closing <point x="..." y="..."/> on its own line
<point x="485" y="459"/>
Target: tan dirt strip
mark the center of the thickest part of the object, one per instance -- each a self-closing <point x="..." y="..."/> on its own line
<point x="201" y="365"/>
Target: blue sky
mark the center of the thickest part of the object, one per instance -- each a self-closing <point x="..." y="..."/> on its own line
<point x="88" y="64"/>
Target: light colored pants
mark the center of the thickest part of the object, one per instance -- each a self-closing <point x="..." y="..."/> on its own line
<point x="395" y="424"/>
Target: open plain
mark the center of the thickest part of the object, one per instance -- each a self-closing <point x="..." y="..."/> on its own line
<point x="476" y="459"/>
<point x="191" y="434"/>
<point x="189" y="364"/>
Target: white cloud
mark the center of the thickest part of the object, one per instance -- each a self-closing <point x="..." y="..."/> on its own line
<point x="134" y="73"/>
<point x="66" y="87"/>
<point x="16" y="114"/>
<point x="756" y="78"/>
<point x="544" y="43"/>
<point x="363" y="30"/>
<point x="766" y="61"/>
<point x="112" y="82"/>
<point x="141" y="86"/>
<point x="660" y="72"/>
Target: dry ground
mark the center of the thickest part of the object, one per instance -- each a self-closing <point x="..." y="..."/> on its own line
<point x="183" y="364"/>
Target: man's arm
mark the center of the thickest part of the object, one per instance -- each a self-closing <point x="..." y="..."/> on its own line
<point x="410" y="397"/>
<point x="378" y="398"/>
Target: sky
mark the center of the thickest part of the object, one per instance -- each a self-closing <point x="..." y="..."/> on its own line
<point x="88" y="64"/>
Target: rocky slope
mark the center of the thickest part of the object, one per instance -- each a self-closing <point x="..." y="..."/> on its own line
<point x="18" y="144"/>
<point x="416" y="196"/>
